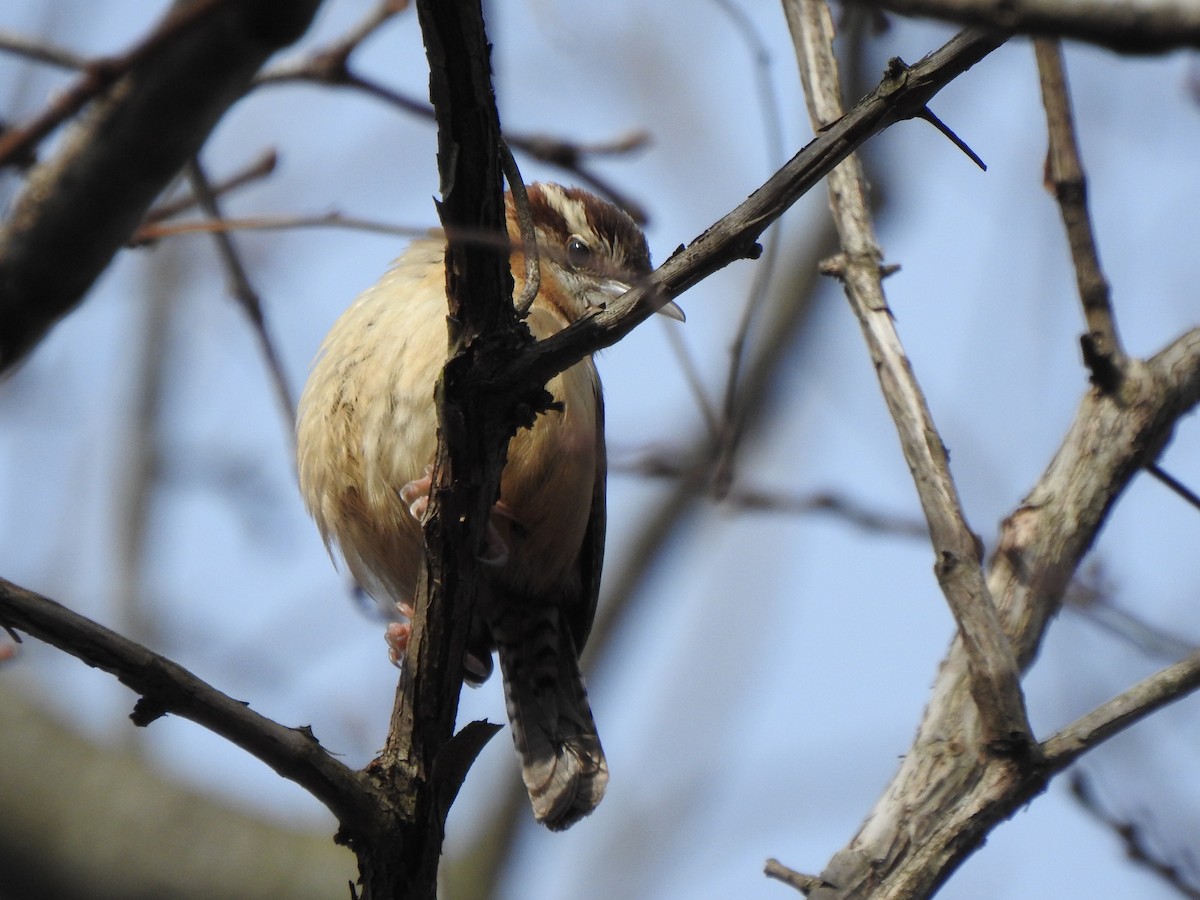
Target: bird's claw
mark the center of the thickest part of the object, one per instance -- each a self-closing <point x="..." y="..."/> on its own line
<point x="398" y="634"/>
<point x="415" y="494"/>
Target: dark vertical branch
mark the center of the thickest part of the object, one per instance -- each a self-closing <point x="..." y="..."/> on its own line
<point x="423" y="761"/>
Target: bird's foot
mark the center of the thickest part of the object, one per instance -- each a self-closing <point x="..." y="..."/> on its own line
<point x="415" y="494"/>
<point x="398" y="634"/>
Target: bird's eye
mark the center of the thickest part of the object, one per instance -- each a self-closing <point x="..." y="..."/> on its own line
<point x="579" y="254"/>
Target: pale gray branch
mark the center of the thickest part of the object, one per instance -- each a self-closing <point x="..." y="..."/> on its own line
<point x="946" y="798"/>
<point x="995" y="683"/>
<point x="1151" y="694"/>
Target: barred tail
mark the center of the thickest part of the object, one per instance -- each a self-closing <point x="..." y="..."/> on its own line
<point x="562" y="762"/>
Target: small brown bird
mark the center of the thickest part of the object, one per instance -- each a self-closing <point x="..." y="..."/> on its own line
<point x="367" y="433"/>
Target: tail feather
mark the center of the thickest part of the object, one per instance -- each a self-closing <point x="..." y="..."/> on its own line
<point x="562" y="762"/>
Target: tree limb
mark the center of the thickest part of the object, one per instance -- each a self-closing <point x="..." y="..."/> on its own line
<point x="902" y="94"/>
<point x="946" y="798"/>
<point x="1131" y="706"/>
<point x="424" y="761"/>
<point x="1064" y="174"/>
<point x="166" y="687"/>
<point x="994" y="679"/>
<point x="1127" y="26"/>
<point x="79" y="207"/>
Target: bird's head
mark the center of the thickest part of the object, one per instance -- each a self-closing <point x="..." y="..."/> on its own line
<point x="591" y="251"/>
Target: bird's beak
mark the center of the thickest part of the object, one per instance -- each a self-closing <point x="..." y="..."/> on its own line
<point x="671" y="310"/>
<point x="614" y="288"/>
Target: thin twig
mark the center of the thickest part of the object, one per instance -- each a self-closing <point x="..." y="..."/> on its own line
<point x="1151" y="694"/>
<point x="147" y="234"/>
<point x="330" y="63"/>
<point x="928" y="115"/>
<point x="798" y="880"/>
<point x="238" y="282"/>
<point x="1064" y="173"/>
<point x="776" y="500"/>
<point x="259" y="168"/>
<point x="691" y="375"/>
<point x="1147" y="638"/>
<point x="1090" y="597"/>
<point x="995" y="682"/>
<point x="563" y="154"/>
<point x="1174" y="484"/>
<point x="41" y="51"/>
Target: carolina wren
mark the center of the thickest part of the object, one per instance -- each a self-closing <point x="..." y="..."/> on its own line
<point x="367" y="432"/>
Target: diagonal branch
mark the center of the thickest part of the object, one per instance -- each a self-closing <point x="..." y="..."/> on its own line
<point x="995" y="684"/>
<point x="1146" y="697"/>
<point x="80" y="206"/>
<point x="1139" y="848"/>
<point x="1064" y="173"/>
<point x="167" y="687"/>
<point x="945" y="799"/>
<point x="902" y="94"/>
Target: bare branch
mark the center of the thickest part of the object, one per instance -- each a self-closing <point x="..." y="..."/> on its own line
<point x="40" y="51"/>
<point x="691" y="376"/>
<point x="995" y="683"/>
<point x="1151" y="694"/>
<point x="259" y="168"/>
<point x="1127" y="26"/>
<point x="331" y="66"/>
<point x="79" y="207"/>
<point x="902" y="94"/>
<point x="777" y="500"/>
<point x="98" y="76"/>
<point x="1090" y="597"/>
<point x="731" y="423"/>
<point x="1064" y="173"/>
<point x="149" y="233"/>
<point x="167" y="687"/>
<point x="945" y="799"/>
<point x="1175" y="485"/>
